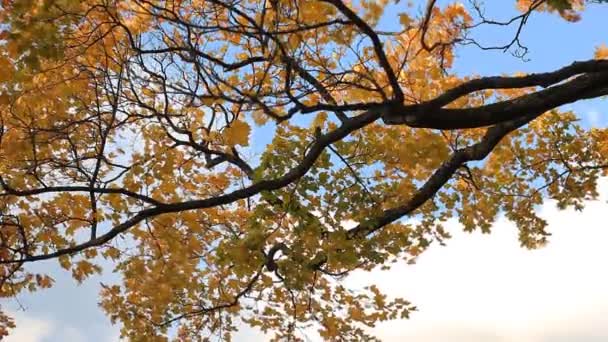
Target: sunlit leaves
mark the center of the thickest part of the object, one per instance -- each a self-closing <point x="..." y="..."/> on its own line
<point x="568" y="9"/>
<point x="601" y="52"/>
<point x="237" y="133"/>
<point x="127" y="140"/>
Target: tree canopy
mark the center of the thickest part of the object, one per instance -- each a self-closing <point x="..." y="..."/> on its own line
<point x="233" y="160"/>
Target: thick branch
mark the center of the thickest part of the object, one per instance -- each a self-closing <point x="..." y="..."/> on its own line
<point x="545" y="80"/>
<point x="592" y="83"/>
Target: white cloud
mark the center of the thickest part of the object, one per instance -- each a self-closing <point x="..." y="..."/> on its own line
<point x="32" y="328"/>
<point x="249" y="334"/>
<point x="487" y="288"/>
<point x="29" y="329"/>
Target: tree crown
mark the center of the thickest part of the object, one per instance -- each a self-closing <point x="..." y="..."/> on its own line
<point x="232" y="160"/>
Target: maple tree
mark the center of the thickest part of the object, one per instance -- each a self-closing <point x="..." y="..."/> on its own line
<point x="127" y="139"/>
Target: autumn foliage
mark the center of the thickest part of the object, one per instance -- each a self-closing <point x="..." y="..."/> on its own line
<point x="234" y="160"/>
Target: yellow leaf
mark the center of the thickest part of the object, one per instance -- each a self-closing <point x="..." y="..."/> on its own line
<point x="237" y="133"/>
<point x="404" y="19"/>
<point x="64" y="261"/>
<point x="319" y="120"/>
<point x="4" y="99"/>
<point x="208" y="101"/>
<point x="44" y="281"/>
<point x="601" y="52"/>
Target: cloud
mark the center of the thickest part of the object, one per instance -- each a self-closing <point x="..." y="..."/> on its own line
<point x="486" y="288"/>
<point x="29" y="329"/>
<point x="66" y="312"/>
<point x="249" y="334"/>
<point x="33" y="328"/>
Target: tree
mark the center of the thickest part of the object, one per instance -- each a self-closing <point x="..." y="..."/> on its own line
<point x="127" y="141"/>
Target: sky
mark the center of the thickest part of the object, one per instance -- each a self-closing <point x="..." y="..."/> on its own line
<point x="478" y="287"/>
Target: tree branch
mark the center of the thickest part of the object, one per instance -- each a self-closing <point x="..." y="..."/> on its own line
<point x="592" y="81"/>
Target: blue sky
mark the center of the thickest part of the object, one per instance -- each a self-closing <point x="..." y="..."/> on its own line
<point x="69" y="312"/>
<point x="552" y="43"/>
